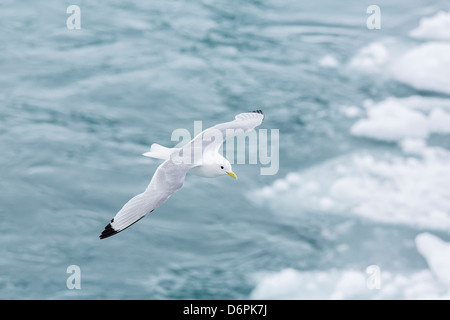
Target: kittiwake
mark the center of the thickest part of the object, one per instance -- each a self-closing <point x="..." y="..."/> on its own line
<point x="200" y="157"/>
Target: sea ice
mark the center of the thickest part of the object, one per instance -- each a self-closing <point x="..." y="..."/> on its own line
<point x="397" y="119"/>
<point x="328" y="61"/>
<point x="426" y="67"/>
<point x="432" y="283"/>
<point x="370" y="58"/>
<point x="435" y="27"/>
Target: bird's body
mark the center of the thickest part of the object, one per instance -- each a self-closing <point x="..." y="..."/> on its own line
<point x="199" y="157"/>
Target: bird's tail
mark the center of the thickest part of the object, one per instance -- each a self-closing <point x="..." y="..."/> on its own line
<point x="157" y="151"/>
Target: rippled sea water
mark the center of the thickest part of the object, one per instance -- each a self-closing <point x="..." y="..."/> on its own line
<point x="363" y="155"/>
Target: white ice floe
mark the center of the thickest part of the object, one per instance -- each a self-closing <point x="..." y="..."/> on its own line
<point x="350" y="111"/>
<point x="426" y="67"/>
<point x="435" y="27"/>
<point x="291" y="284"/>
<point x="412" y="191"/>
<point x="409" y="186"/>
<point x="423" y="67"/>
<point x="392" y="121"/>
<point x="437" y="254"/>
<point x="396" y="119"/>
<point x="430" y="283"/>
<point x="370" y="58"/>
<point x="439" y="121"/>
<point x="413" y="146"/>
<point x="328" y="61"/>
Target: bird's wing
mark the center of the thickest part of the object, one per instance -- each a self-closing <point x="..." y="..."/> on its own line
<point x="168" y="178"/>
<point x="212" y="138"/>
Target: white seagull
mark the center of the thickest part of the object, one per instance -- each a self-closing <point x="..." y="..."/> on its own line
<point x="200" y="157"/>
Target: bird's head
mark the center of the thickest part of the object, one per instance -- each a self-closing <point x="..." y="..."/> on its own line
<point x="224" y="168"/>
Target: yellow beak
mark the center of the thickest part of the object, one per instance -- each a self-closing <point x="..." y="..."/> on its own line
<point x="232" y="174"/>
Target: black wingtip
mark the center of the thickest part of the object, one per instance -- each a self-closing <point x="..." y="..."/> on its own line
<point x="258" y="111"/>
<point x="108" y="232"/>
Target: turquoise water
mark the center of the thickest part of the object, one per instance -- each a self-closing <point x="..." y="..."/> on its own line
<point x="79" y="107"/>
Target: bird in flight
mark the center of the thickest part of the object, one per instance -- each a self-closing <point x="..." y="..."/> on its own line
<point x="200" y="157"/>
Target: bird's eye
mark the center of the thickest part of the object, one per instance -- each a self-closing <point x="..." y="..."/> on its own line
<point x="221" y="167"/>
